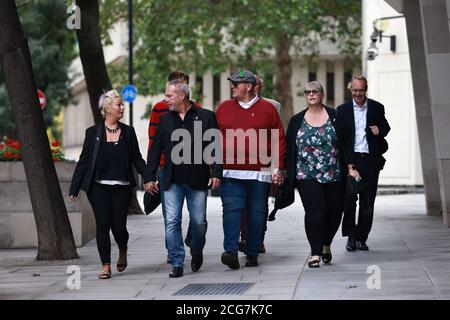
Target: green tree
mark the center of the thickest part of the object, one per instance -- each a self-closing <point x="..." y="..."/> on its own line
<point x="259" y="34"/>
<point x="55" y="238"/>
<point x="283" y="28"/>
<point x="52" y="48"/>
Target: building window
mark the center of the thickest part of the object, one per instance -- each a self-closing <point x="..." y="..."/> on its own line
<point x="198" y="90"/>
<point x="330" y="87"/>
<point x="312" y="76"/>
<point x="347" y="93"/>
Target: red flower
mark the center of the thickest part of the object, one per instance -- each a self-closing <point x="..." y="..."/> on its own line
<point x="9" y="142"/>
<point x="16" y="156"/>
<point x="15" y="145"/>
<point x="55" y="159"/>
<point x="2" y="145"/>
<point x="56" y="143"/>
<point x="8" y="155"/>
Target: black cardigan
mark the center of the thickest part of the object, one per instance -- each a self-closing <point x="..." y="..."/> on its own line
<point x="291" y="145"/>
<point x="85" y="169"/>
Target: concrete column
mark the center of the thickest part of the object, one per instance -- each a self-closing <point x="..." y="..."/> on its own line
<point x="225" y="90"/>
<point x="208" y="87"/>
<point x="422" y="101"/>
<point x="297" y="85"/>
<point x="322" y="77"/>
<point x="303" y="72"/>
<point x="339" y="85"/>
<point x="435" y="24"/>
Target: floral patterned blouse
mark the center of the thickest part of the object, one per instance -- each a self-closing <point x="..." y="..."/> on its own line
<point x="317" y="153"/>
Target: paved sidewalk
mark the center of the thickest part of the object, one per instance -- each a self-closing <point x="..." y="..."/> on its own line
<point x="409" y="250"/>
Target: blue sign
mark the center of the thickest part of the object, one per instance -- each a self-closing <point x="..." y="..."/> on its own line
<point x="129" y="93"/>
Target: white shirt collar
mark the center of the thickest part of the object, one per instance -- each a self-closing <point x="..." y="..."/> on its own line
<point x="355" y="105"/>
<point x="247" y="105"/>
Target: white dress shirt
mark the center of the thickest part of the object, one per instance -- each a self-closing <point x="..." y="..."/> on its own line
<point x="360" y="114"/>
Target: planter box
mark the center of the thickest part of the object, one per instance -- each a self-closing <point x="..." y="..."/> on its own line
<point x="17" y="225"/>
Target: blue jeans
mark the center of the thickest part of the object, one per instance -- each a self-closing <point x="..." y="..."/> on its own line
<point x="237" y="195"/>
<point x="196" y="203"/>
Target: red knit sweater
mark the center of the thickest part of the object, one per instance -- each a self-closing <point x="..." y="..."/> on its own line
<point x="261" y="115"/>
<point x="158" y="110"/>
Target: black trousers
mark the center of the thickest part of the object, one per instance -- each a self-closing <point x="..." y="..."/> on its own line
<point x="323" y="204"/>
<point x="110" y="205"/>
<point x="367" y="193"/>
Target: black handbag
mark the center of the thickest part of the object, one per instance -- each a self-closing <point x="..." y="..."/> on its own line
<point x="151" y="202"/>
<point x="284" y="197"/>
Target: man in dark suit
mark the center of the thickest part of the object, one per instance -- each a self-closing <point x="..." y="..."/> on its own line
<point x="364" y="128"/>
<point x="188" y="171"/>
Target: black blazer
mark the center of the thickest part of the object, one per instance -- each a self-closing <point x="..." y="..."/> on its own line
<point x="85" y="169"/>
<point x="199" y="174"/>
<point x="375" y="116"/>
<point x="291" y="144"/>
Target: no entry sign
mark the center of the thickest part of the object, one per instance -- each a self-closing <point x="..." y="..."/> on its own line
<point x="42" y="99"/>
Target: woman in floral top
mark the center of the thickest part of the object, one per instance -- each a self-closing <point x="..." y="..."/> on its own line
<point x="316" y="169"/>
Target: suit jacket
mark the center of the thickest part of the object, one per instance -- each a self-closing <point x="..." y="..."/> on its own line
<point x="85" y="169"/>
<point x="199" y="174"/>
<point x="377" y="144"/>
<point x="291" y="144"/>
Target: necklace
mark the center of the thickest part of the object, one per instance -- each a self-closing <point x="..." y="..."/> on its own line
<point x="112" y="130"/>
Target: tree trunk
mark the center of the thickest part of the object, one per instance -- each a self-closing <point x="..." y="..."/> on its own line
<point x="55" y="238"/>
<point x="91" y="54"/>
<point x="94" y="66"/>
<point x="283" y="75"/>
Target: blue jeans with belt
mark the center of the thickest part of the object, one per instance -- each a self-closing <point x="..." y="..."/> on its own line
<point x="196" y="203"/>
<point x="237" y="195"/>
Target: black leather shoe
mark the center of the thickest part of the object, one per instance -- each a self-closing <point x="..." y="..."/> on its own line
<point x="230" y="259"/>
<point x="176" y="272"/>
<point x="196" y="262"/>
<point x="251" y="261"/>
<point x="351" y="245"/>
<point x="361" y="245"/>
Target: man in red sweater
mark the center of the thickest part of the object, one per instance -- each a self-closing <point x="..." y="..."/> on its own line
<point x="254" y="149"/>
<point x="158" y="110"/>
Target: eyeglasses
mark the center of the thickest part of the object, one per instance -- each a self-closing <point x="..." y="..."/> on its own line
<point x="308" y="92"/>
<point x="234" y="84"/>
<point x="358" y="90"/>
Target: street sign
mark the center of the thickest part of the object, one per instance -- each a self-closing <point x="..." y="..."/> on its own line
<point x="129" y="93"/>
<point x="42" y="99"/>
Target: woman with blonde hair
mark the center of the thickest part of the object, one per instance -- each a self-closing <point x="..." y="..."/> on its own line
<point x="316" y="168"/>
<point x="104" y="172"/>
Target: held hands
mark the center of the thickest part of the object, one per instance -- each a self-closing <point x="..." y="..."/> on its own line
<point x="278" y="176"/>
<point x="214" y="183"/>
<point x="354" y="173"/>
<point x="152" y="187"/>
<point x="72" y="198"/>
<point x="375" y="130"/>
